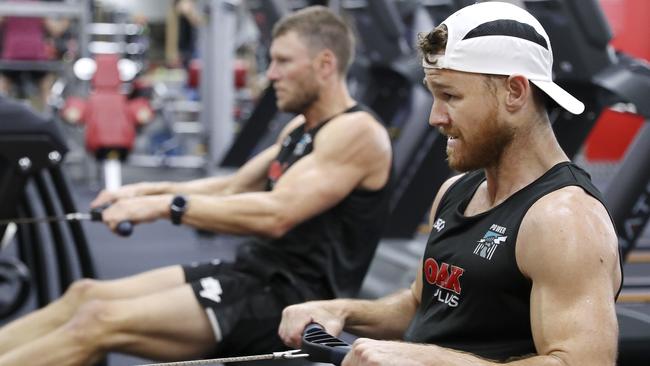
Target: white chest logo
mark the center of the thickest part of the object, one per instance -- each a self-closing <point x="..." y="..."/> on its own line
<point x="439" y="225"/>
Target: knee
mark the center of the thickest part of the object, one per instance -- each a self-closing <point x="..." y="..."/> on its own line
<point x="74" y="297"/>
<point x="80" y="291"/>
<point x="91" y="322"/>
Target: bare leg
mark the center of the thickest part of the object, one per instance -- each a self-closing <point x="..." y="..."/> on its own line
<point x="44" y="89"/>
<point x="167" y="325"/>
<point x="59" y="312"/>
<point x="5" y="86"/>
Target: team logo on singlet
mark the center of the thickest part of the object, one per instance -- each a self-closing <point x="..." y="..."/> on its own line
<point x="494" y="237"/>
<point x="276" y="170"/>
<point x="439" y="225"/>
<point x="446" y="278"/>
<point x="302" y="144"/>
<point x="286" y="142"/>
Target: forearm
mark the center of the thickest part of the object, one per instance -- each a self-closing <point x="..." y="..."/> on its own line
<point x="198" y="186"/>
<point x="256" y="213"/>
<point x="385" y="318"/>
<point x="373" y="352"/>
<point x="449" y="357"/>
<point x="217" y="186"/>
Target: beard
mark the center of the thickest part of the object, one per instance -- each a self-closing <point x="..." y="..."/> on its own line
<point x="485" y="150"/>
<point x="302" y="97"/>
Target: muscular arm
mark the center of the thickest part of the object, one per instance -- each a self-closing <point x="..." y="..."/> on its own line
<point x="352" y="151"/>
<point x="250" y="177"/>
<point x="385" y="318"/>
<point x="568" y="248"/>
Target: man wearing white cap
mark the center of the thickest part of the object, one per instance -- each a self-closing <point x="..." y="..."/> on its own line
<point x="522" y="263"/>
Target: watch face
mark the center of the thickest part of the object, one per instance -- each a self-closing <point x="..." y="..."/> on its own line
<point x="179" y="202"/>
<point x="177" y="209"/>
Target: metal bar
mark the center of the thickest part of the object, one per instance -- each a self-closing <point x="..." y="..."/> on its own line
<point x="271" y="356"/>
<point x="183" y="161"/>
<point x="113" y="29"/>
<point x="38" y="9"/>
<point x="24" y="65"/>
<point x="37" y="220"/>
<point x="85" y="17"/>
<point x="219" y="102"/>
<point x="638" y="256"/>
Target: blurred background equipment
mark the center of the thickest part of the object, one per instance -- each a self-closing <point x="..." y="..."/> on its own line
<point x="38" y="38"/>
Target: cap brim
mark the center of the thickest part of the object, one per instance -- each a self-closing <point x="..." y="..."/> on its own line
<point x="561" y="96"/>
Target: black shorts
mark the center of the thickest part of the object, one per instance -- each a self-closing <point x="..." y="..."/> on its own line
<point x="244" y="309"/>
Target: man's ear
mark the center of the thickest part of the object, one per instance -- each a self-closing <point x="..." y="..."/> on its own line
<point x="327" y="63"/>
<point x="518" y="92"/>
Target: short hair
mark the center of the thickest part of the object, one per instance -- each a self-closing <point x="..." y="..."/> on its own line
<point x="321" y="29"/>
<point x="433" y="43"/>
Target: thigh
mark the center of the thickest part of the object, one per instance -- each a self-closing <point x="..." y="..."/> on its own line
<point x="137" y="285"/>
<point x="166" y="325"/>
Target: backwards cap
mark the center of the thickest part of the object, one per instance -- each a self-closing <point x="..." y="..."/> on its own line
<point x="501" y="39"/>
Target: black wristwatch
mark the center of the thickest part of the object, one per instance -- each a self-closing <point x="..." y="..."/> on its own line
<point x="177" y="209"/>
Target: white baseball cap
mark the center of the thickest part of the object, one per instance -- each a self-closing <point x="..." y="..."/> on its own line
<point x="501" y="39"/>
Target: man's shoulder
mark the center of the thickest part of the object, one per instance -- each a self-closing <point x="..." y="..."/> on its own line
<point x="356" y="141"/>
<point x="355" y="125"/>
<point x="565" y="205"/>
<point x="360" y="116"/>
<point x="564" y="225"/>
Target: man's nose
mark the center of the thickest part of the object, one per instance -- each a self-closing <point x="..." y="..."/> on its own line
<point x="271" y="72"/>
<point x="438" y="116"/>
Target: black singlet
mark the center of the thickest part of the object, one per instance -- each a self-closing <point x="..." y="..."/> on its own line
<point x="330" y="253"/>
<point x="474" y="298"/>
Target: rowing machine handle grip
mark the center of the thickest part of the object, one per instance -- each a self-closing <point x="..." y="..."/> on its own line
<point x="124" y="228"/>
<point x="322" y="346"/>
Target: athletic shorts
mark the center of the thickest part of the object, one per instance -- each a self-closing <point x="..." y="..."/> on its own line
<point x="244" y="309"/>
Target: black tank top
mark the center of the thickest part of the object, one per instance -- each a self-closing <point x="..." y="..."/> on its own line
<point x="329" y="254"/>
<point x="474" y="298"/>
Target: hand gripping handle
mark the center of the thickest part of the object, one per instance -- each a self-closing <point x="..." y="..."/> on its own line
<point x="322" y="346"/>
<point x="124" y="228"/>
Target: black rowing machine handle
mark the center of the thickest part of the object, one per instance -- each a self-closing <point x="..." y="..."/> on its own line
<point x="124" y="228"/>
<point x="322" y="346"/>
